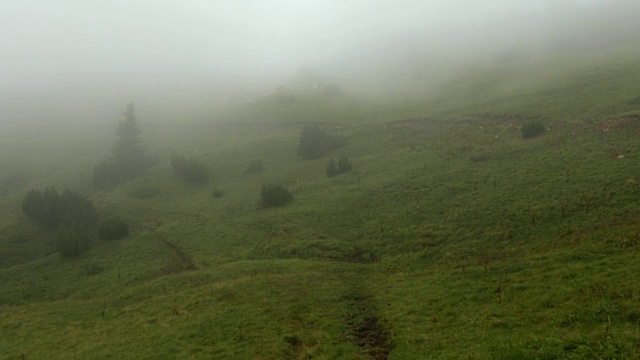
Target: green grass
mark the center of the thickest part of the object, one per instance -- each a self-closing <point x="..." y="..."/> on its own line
<point x="406" y="251"/>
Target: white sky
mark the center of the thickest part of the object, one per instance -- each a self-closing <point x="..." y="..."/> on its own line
<point x="47" y="40"/>
<point x="52" y="45"/>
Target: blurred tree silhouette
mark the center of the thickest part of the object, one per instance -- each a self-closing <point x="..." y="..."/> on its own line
<point x="315" y="143"/>
<point x="128" y="157"/>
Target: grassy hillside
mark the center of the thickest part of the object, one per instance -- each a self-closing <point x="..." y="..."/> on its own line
<point x="452" y="237"/>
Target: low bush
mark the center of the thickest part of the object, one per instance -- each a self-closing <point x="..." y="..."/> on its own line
<point x="274" y="195"/>
<point x="93" y="269"/>
<point x="72" y="240"/>
<point x="189" y="169"/>
<point x="332" y="168"/>
<point x="341" y="166"/>
<point x="255" y="166"/>
<point x="532" y="129"/>
<point x="113" y="229"/>
<point x="344" y="164"/>
<point x="315" y="143"/>
<point x="217" y="193"/>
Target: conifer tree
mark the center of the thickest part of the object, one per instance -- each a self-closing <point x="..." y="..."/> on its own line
<point x="128" y="157"/>
<point x="128" y="153"/>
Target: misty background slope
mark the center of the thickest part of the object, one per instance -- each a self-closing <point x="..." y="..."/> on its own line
<point x="76" y="62"/>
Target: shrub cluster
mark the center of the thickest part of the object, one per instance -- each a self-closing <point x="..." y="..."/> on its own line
<point x="342" y="166"/>
<point x="72" y="215"/>
<point x="189" y="169"/>
<point x="274" y="195"/>
<point x="113" y="229"/>
<point x="52" y="209"/>
<point x="315" y="143"/>
<point x="532" y="129"/>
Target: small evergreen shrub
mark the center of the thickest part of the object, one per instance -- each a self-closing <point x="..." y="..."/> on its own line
<point x="255" y="166"/>
<point x="315" y="143"/>
<point x="189" y="169"/>
<point x="532" y="129"/>
<point x="113" y="229"/>
<point x="274" y="195"/>
<point x="342" y="166"/>
<point x="217" y="193"/>
<point x="52" y="209"/>
<point x="144" y="192"/>
<point x="72" y="240"/>
<point x="332" y="168"/>
<point x="93" y="269"/>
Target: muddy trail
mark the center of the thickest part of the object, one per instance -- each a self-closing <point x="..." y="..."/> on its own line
<point x="182" y="260"/>
<point x="366" y="329"/>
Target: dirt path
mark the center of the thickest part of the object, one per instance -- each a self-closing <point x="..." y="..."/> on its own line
<point x="365" y="327"/>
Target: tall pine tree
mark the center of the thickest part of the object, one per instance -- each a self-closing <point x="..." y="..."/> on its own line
<point x="128" y="153"/>
<point x="128" y="157"/>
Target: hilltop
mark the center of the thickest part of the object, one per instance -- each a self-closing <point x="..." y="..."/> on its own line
<point x="451" y="237"/>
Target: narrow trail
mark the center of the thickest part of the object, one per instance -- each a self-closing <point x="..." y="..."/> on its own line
<point x="365" y="327"/>
<point x="183" y="261"/>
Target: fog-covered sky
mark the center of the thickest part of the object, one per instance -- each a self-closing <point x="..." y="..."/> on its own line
<point x="62" y="44"/>
<point x="44" y="41"/>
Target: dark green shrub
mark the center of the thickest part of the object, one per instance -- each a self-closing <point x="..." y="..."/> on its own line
<point x="113" y="229"/>
<point x="72" y="240"/>
<point x="274" y="195"/>
<point x="189" y="169"/>
<point x="77" y="209"/>
<point x="255" y="166"/>
<point x="42" y="206"/>
<point x="50" y="208"/>
<point x="144" y="191"/>
<point x="315" y="143"/>
<point x="532" y="129"/>
<point x="342" y="166"/>
<point x="93" y="269"/>
<point x="332" y="168"/>
<point x="217" y="193"/>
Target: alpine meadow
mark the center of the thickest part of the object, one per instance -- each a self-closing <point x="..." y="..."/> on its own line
<point x="314" y="180"/>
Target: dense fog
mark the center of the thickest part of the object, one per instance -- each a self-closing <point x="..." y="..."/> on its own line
<point x="74" y="60"/>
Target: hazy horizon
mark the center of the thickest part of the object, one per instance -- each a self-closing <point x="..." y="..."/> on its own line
<point x="73" y="55"/>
